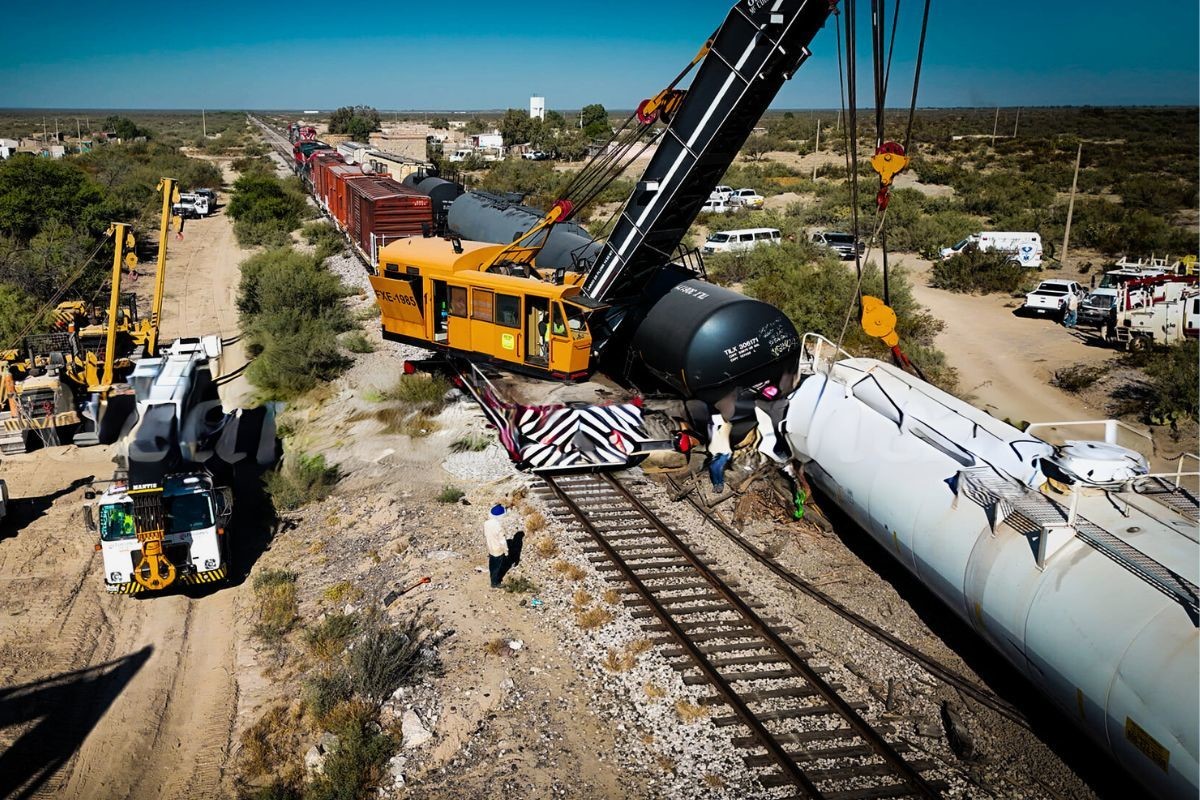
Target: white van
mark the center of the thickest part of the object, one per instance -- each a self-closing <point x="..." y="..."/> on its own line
<point x="735" y="241"/>
<point x="197" y="201"/>
<point x="1025" y="246"/>
<point x="461" y="155"/>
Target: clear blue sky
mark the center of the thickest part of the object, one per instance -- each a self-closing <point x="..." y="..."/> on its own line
<point x="468" y="54"/>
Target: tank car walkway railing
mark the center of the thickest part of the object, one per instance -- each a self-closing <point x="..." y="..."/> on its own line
<point x="802" y="732"/>
<point x="1033" y="513"/>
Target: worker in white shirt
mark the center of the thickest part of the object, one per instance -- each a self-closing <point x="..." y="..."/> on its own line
<point x="504" y="551"/>
<point x="719" y="451"/>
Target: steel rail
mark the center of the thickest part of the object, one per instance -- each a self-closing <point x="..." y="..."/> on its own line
<point x="728" y="694"/>
<point x="935" y="668"/>
<point x="872" y="737"/>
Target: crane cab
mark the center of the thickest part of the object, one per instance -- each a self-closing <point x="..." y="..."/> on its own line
<point x="439" y="294"/>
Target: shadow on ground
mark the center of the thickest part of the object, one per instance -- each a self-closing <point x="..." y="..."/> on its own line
<point x="60" y="712"/>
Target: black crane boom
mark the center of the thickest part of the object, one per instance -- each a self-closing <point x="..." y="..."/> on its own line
<point x="760" y="45"/>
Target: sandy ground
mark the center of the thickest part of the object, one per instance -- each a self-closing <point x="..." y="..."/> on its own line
<point x="1005" y="361"/>
<point x="111" y="696"/>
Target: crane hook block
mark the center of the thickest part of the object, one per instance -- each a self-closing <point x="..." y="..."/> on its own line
<point x="888" y="161"/>
<point x="879" y="320"/>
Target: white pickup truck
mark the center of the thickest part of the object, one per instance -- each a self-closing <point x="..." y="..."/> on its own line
<point x="1050" y="297"/>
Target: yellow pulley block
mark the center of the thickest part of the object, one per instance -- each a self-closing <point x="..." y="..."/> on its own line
<point x="177" y="222"/>
<point x="131" y="260"/>
<point x="879" y="320"/>
<point x="889" y="162"/>
<point x="154" y="571"/>
<point x="175" y="198"/>
<point x="130" y="243"/>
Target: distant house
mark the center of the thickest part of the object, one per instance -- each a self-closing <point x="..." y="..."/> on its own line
<point x="8" y="147"/>
<point x="491" y="140"/>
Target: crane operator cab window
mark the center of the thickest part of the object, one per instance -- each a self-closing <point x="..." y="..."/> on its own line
<point x="116" y="522"/>
<point x="577" y="321"/>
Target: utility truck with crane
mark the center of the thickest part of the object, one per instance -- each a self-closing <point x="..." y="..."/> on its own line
<point x="164" y="516"/>
<point x="59" y="387"/>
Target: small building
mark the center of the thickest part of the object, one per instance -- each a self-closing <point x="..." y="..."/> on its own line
<point x="57" y="151"/>
<point x="8" y="147"/>
<point x="537" y="108"/>
<point x="488" y="141"/>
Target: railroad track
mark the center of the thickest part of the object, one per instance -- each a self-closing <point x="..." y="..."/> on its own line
<point x="934" y="667"/>
<point x="799" y="731"/>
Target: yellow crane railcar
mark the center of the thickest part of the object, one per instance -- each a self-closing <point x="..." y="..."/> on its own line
<point x="465" y="298"/>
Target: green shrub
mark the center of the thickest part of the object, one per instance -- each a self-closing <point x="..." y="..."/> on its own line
<point x="327" y="239"/>
<point x="471" y="443"/>
<point x="302" y="479"/>
<point x="276" y="604"/>
<point x="291" y="313"/>
<point x="329" y="637"/>
<point x="324" y="692"/>
<point x="1075" y="379"/>
<point x="387" y="657"/>
<point x="358" y="343"/>
<point x="425" y="392"/>
<point x="1174" y="375"/>
<point x="264" y="206"/>
<point x="356" y="767"/>
<point x="974" y="272"/>
<point x="450" y="494"/>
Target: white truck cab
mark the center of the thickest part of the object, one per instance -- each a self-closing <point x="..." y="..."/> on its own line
<point x="181" y="536"/>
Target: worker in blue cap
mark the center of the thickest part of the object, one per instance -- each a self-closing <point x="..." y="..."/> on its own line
<point x="504" y="551"/>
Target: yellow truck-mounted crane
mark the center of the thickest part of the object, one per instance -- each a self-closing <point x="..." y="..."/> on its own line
<point x="81" y="364"/>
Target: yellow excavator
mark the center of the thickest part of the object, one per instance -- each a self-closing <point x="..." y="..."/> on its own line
<point x="80" y="363"/>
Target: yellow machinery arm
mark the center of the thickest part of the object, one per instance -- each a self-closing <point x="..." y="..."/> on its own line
<point x="170" y="194"/>
<point x="122" y="240"/>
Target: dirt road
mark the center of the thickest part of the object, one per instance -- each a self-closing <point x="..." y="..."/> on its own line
<point x="109" y="696"/>
<point x="1004" y="361"/>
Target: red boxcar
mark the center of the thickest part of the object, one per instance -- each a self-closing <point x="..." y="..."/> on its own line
<point x="317" y="174"/>
<point x="383" y="209"/>
<point x="337" y="178"/>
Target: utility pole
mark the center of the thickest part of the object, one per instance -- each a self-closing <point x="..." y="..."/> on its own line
<point x="995" y="123"/>
<point x="203" y="124"/>
<point x="817" y="149"/>
<point x="1016" y="122"/>
<point x="45" y="136"/>
<point x="1071" y="206"/>
<point x="78" y="134"/>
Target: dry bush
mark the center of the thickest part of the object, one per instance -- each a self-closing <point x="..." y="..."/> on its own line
<point x="534" y="522"/>
<point x="654" y="691"/>
<point x="344" y="590"/>
<point x="714" y="780"/>
<point x="390" y="655"/>
<point x="571" y="572"/>
<point x="581" y="599"/>
<point x="271" y="744"/>
<point x="497" y="647"/>
<point x="593" y="618"/>
<point x="639" y="646"/>
<point x="611" y="596"/>
<point x="619" y="661"/>
<point x="420" y="391"/>
<point x="329" y="637"/>
<point x="323" y="692"/>
<point x="689" y="712"/>
<point x="519" y="585"/>
<point x="275" y="597"/>
<point x="665" y="762"/>
<point x="546" y="547"/>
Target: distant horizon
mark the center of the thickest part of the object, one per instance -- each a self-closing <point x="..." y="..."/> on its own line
<point x="560" y="109"/>
<point x="488" y="56"/>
